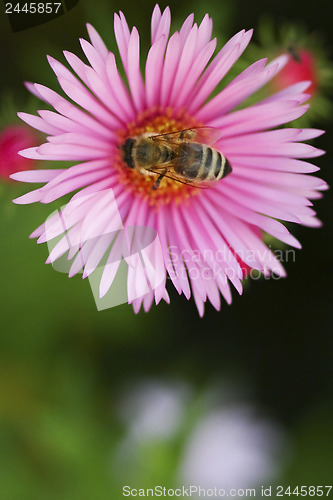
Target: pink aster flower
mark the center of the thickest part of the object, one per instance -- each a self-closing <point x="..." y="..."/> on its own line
<point x="202" y="235"/>
<point x="300" y="67"/>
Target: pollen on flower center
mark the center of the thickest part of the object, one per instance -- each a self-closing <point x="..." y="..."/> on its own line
<point x="156" y="121"/>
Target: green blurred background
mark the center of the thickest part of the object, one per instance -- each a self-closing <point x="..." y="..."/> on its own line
<point x="67" y="371"/>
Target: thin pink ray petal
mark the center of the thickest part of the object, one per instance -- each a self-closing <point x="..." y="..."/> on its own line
<point x="120" y="90"/>
<point x="266" y="207"/>
<point x="185" y="62"/>
<point x="148" y="301"/>
<point x="81" y="140"/>
<point x="62" y="72"/>
<point x="273" y="163"/>
<point x="94" y="82"/>
<point x="213" y="294"/>
<point x="73" y="113"/>
<point x="253" y="145"/>
<point x="238" y="90"/>
<point x="122" y="35"/>
<point x="77" y="65"/>
<point x="39" y="124"/>
<point x="161" y="229"/>
<point x="59" y="121"/>
<point x="95" y="60"/>
<point x="36" y="175"/>
<point x="260" y="190"/>
<point x="58" y="250"/>
<point x="103" y="218"/>
<point x="198" y="301"/>
<point x="77" y="170"/>
<point x="153" y="73"/>
<point x="201" y="240"/>
<point x="160" y="25"/>
<point x="287" y="180"/>
<point x="194" y="73"/>
<point x="63" y="152"/>
<point x="224" y="226"/>
<point x="73" y="184"/>
<point x="96" y="254"/>
<point x="310" y="221"/>
<point x="32" y="88"/>
<point x="27" y="198"/>
<point x="97" y="42"/>
<point x="218" y="68"/>
<point x="267" y="257"/>
<point x="186" y="28"/>
<point x="267" y="224"/>
<point x="174" y="250"/>
<point x="205" y="86"/>
<point x="111" y="267"/>
<point x="204" y="32"/>
<point x="228" y="266"/>
<point x="291" y="91"/>
<point x="171" y="62"/>
<point x="105" y="95"/>
<point x="155" y="21"/>
<point x="133" y="72"/>
<point x="258" y="117"/>
<point x="309" y="133"/>
<point x="84" y="98"/>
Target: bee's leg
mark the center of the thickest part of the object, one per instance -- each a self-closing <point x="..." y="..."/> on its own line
<point x="158" y="181"/>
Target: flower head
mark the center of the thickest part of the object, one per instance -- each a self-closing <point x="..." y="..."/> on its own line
<point x="200" y="237"/>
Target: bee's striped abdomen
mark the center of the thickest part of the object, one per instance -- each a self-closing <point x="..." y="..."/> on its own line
<point x="213" y="166"/>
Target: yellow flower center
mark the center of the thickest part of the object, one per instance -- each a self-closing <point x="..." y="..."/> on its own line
<point x="141" y="183"/>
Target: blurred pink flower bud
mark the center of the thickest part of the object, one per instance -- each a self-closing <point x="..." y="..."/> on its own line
<point x="14" y="138"/>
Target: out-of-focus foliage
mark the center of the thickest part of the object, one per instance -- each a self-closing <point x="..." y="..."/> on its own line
<point x="64" y="366"/>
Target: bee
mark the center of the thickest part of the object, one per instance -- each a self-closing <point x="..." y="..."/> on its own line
<point x="185" y="156"/>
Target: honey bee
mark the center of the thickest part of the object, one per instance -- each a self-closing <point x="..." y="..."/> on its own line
<point x="185" y="156"/>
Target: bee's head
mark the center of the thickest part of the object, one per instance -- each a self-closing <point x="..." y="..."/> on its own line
<point x="126" y="150"/>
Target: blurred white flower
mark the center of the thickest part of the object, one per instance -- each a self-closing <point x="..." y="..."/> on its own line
<point x="154" y="409"/>
<point x="231" y="448"/>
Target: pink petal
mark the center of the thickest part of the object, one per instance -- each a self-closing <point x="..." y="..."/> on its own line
<point x="185" y="62"/>
<point x="258" y="117"/>
<point x="120" y="91"/>
<point x="97" y="42"/>
<point x="160" y="25"/>
<point x="218" y="68"/>
<point x="273" y="163"/>
<point x="73" y="113"/>
<point x="77" y="65"/>
<point x="36" y="175"/>
<point x="194" y="72"/>
<point x="105" y="95"/>
<point x="122" y="35"/>
<point x="204" y="32"/>
<point x="39" y="124"/>
<point x="96" y="61"/>
<point x="133" y="72"/>
<point x="170" y="67"/>
<point x="154" y="68"/>
<point x="32" y="88"/>
<point x="84" y="98"/>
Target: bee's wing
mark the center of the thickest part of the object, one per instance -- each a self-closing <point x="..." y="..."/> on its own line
<point x="204" y="135"/>
<point x="171" y="174"/>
